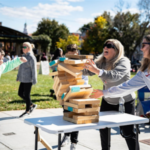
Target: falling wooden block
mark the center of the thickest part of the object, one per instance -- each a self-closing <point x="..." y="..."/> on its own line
<point x="73" y="61"/>
<point x="53" y="73"/>
<point x="79" y="56"/>
<point x="69" y="69"/>
<point x="61" y="73"/>
<point x="80" y="91"/>
<point x="55" y="81"/>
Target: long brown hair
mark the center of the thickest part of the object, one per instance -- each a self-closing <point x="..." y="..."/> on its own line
<point x="145" y="64"/>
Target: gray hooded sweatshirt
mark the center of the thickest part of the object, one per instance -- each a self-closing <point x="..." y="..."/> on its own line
<point x="114" y="77"/>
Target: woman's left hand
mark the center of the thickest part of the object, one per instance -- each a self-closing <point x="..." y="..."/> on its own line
<point x="91" y="66"/>
<point x="96" y="93"/>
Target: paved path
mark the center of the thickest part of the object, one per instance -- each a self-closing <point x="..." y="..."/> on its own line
<point x="23" y="137"/>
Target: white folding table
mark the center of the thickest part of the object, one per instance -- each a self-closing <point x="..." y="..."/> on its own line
<point x="108" y="119"/>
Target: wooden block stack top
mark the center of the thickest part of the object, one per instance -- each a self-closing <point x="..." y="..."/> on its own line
<point x="71" y="92"/>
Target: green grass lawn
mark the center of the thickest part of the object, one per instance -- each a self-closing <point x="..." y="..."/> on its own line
<point x="9" y="99"/>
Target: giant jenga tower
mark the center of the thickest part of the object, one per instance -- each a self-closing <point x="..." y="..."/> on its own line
<point x="72" y="93"/>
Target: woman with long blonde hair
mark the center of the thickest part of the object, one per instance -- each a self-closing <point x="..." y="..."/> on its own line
<point x="27" y="76"/>
<point x="113" y="68"/>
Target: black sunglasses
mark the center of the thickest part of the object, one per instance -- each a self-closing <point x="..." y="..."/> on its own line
<point x="143" y="44"/>
<point x="109" y="46"/>
<point x="24" y="47"/>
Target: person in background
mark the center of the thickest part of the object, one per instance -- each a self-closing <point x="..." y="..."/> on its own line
<point x="113" y="68"/>
<point x="8" y="57"/>
<point x="14" y="56"/>
<point x="57" y="54"/>
<point x="27" y="76"/>
<point x="72" y="50"/>
<point x="43" y="58"/>
<point x="10" y="65"/>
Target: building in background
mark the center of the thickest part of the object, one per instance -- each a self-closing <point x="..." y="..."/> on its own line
<point x="25" y="31"/>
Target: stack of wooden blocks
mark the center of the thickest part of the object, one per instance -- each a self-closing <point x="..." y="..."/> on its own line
<point x="71" y="92"/>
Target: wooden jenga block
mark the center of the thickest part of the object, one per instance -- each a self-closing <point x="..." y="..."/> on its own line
<point x="78" y="117"/>
<point x="84" y="101"/>
<point x="56" y="86"/>
<point x="53" y="73"/>
<point x="87" y="105"/>
<point x="62" y="87"/>
<point x="73" y="61"/>
<point x="79" y="56"/>
<point x="71" y="114"/>
<point x="69" y="69"/>
<point x="67" y="75"/>
<point x="80" y="91"/>
<point x="55" y="81"/>
<point x="60" y="93"/>
<point x="71" y="109"/>
<point x="61" y="73"/>
<point x="80" y="82"/>
<point x="81" y="121"/>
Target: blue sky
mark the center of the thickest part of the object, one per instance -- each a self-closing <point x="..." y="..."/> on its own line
<point x="72" y="13"/>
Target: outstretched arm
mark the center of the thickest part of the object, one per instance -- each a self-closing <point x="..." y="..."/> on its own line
<point x="10" y="65"/>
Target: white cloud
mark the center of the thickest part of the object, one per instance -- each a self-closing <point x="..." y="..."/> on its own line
<point x="34" y="14"/>
<point x="41" y="10"/>
<point x="84" y="20"/>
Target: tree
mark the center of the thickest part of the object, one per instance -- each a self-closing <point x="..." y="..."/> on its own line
<point x="72" y="39"/>
<point x="128" y="29"/>
<point x="53" y="30"/>
<point x="95" y="36"/>
<point x="44" y="40"/>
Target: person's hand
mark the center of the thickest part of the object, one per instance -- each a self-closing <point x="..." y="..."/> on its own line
<point x="23" y="59"/>
<point x="91" y="66"/>
<point x="1" y="61"/>
<point x="96" y="93"/>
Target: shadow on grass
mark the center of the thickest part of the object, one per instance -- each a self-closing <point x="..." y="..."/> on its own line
<point x="33" y="100"/>
<point x="39" y="95"/>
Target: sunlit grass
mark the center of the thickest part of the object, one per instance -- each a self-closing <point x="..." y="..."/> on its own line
<point x="9" y="99"/>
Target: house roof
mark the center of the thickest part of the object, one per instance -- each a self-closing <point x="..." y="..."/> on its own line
<point x="11" y="34"/>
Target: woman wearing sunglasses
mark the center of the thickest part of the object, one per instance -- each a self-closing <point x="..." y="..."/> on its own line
<point x="113" y="69"/>
<point x="27" y="75"/>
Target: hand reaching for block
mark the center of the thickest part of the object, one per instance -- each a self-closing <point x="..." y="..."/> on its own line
<point x="91" y="66"/>
<point x="96" y="93"/>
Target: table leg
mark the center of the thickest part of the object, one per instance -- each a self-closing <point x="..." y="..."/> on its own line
<point x="137" y="138"/>
<point x="36" y="138"/>
<point x="109" y="138"/>
<point x="59" y="141"/>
